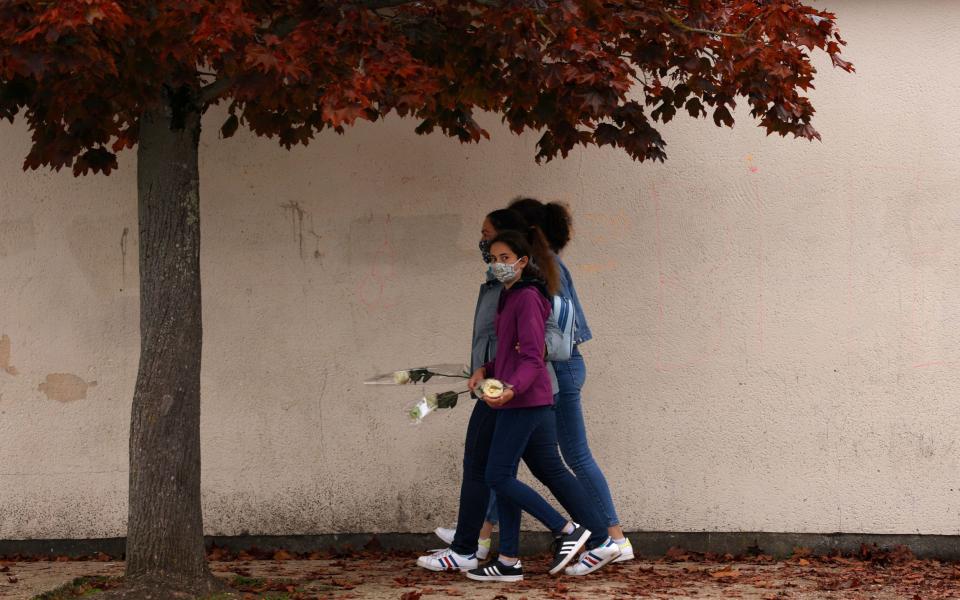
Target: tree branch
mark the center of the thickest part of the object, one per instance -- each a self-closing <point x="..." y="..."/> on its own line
<point x="282" y="27"/>
<point x="677" y="22"/>
<point x="212" y="91"/>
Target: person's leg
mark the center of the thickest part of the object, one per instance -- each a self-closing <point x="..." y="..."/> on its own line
<point x="543" y="460"/>
<point x="474" y="492"/>
<point x="505" y="568"/>
<point x="510" y="519"/>
<point x="487" y="530"/>
<point x="510" y="437"/>
<point x="572" y="436"/>
<point x="485" y="544"/>
<point x="492" y="516"/>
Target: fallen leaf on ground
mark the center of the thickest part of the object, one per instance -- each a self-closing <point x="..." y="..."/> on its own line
<point x="725" y="574"/>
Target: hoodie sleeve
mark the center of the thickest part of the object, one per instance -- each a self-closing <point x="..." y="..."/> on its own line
<point x="490" y="366"/>
<point x="531" y="325"/>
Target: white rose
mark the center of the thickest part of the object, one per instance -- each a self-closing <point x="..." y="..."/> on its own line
<point x="401" y="377"/>
<point x="492" y="388"/>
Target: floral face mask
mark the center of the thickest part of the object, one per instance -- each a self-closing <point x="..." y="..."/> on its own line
<point x="505" y="273"/>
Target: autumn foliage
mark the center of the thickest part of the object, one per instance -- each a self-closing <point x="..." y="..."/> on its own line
<point x="581" y="72"/>
<point x="92" y="78"/>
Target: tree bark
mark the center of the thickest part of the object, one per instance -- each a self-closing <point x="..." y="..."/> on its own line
<point x="165" y="522"/>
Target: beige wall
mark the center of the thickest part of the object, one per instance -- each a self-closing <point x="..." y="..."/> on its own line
<point x="776" y="321"/>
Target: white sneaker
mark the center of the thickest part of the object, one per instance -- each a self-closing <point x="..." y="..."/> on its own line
<point x="447" y="560"/>
<point x="591" y="560"/>
<point x="447" y="533"/>
<point x="626" y="552"/>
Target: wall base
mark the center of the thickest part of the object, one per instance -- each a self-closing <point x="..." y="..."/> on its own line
<point x="646" y="543"/>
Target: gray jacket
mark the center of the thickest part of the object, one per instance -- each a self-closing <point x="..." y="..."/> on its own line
<point x="484" y="334"/>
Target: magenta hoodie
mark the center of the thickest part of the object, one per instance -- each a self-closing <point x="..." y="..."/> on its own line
<point x="521" y="317"/>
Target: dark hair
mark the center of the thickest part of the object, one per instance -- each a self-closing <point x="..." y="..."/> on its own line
<point x="542" y="268"/>
<point x="507" y="220"/>
<point x="553" y="219"/>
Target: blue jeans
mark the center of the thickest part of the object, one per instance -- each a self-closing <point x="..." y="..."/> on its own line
<point x="492" y="515"/>
<point x="474" y="491"/>
<point x="572" y="434"/>
<point x="531" y="434"/>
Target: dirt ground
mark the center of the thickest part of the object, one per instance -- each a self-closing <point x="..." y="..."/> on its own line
<point x="394" y="576"/>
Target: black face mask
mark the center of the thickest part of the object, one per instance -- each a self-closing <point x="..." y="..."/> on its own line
<point x="485" y="250"/>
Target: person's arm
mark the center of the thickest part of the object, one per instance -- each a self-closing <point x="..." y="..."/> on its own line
<point x="555" y="348"/>
<point x="566" y="283"/>
<point x="489" y="367"/>
<point x="531" y="328"/>
<point x="475" y="379"/>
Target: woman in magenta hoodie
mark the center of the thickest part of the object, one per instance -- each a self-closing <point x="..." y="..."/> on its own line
<point x="525" y="423"/>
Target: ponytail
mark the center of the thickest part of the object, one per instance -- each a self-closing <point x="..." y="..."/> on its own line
<point x="543" y="257"/>
<point x="557" y="225"/>
<point x="554" y="220"/>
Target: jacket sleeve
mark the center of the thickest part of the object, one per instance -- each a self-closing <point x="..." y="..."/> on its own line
<point x="531" y="325"/>
<point x="554" y="340"/>
<point x="490" y="366"/>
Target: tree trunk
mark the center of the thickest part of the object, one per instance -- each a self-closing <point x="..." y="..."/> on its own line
<point x="165" y="524"/>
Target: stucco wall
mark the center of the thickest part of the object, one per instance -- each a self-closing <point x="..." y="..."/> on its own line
<point x="776" y="321"/>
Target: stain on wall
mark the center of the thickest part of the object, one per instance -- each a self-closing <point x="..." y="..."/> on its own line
<point x="5" y="356"/>
<point x="302" y="224"/>
<point x="65" y="387"/>
<point x="123" y="257"/>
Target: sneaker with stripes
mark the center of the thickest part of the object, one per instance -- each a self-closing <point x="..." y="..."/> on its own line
<point x="593" y="559"/>
<point x="447" y="560"/>
<point x="566" y="547"/>
<point x="497" y="571"/>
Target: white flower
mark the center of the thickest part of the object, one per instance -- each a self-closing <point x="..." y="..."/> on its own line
<point x="492" y="388"/>
<point x="401" y="377"/>
<point x="422" y="409"/>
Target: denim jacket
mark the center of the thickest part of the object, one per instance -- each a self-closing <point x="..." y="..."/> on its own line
<point x="568" y="290"/>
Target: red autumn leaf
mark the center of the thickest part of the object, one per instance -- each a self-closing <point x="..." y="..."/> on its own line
<point x="262" y="60"/>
